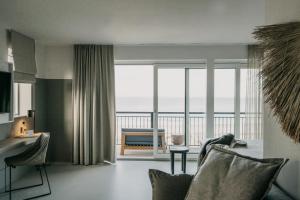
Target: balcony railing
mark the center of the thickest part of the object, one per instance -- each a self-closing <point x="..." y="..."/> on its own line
<point x="173" y="123"/>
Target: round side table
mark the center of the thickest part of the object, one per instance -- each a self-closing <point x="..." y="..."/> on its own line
<point x="183" y="150"/>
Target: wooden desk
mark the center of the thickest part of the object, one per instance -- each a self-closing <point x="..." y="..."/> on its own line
<point x="14" y="143"/>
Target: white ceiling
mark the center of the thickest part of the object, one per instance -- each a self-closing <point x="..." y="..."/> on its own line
<point x="135" y="21"/>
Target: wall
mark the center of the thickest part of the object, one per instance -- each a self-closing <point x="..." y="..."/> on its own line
<point x="54" y="86"/>
<point x="179" y="52"/>
<point x="54" y="114"/>
<point x="6" y="128"/>
<point x="58" y="60"/>
<point x="53" y="96"/>
<point x="275" y="143"/>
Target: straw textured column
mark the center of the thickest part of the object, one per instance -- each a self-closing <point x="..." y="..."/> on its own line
<point x="281" y="73"/>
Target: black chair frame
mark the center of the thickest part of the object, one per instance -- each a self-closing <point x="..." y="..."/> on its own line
<point x="10" y="189"/>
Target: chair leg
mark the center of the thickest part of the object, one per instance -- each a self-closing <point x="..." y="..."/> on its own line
<point x="47" y="179"/>
<point x="30" y="186"/>
<point x="5" y="177"/>
<point x="4" y="181"/>
<point x="49" y="188"/>
<point x="9" y="182"/>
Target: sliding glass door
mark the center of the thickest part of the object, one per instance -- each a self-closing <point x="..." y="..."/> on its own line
<point x="168" y="104"/>
<point x="179" y="105"/>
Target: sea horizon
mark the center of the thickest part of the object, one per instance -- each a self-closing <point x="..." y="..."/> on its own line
<point x="172" y="104"/>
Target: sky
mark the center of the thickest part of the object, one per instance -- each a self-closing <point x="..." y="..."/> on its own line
<point x="137" y="80"/>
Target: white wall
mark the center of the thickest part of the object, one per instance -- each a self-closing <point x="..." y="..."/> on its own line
<point x="56" y="62"/>
<point x="275" y="143"/>
<point x="179" y="52"/>
<point x="3" y="43"/>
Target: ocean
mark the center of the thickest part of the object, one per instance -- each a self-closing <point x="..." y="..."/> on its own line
<point x="145" y="104"/>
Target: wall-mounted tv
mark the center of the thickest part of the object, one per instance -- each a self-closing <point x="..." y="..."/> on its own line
<point x="5" y="92"/>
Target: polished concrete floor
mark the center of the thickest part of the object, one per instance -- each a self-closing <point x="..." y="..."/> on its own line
<point x="122" y="181"/>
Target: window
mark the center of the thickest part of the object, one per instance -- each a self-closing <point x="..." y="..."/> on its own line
<point x="224" y="101"/>
<point x="22" y="93"/>
<point x="10" y="58"/>
<point x="230" y="99"/>
<point x="134" y="97"/>
<point x="22" y="98"/>
<point x="186" y="101"/>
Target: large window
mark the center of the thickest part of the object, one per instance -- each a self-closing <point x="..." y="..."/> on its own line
<point x="174" y="98"/>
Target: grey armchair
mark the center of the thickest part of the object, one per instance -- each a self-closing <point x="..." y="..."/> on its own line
<point x="35" y="155"/>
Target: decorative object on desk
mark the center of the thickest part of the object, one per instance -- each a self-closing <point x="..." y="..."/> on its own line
<point x="31" y="114"/>
<point x="281" y="74"/>
<point x="29" y="132"/>
<point x="177" y="139"/>
<point x="32" y="135"/>
<point x="20" y="126"/>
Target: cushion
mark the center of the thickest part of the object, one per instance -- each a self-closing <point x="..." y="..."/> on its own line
<point x="227" y="175"/>
<point x="169" y="187"/>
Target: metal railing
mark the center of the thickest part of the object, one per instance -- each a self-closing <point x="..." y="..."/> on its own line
<point x="173" y="123"/>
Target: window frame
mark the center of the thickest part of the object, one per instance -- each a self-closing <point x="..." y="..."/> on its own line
<point x="237" y="66"/>
<point x="18" y="100"/>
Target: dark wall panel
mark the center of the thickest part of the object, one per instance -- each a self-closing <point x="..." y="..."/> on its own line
<point x="54" y="110"/>
<point x="40" y="104"/>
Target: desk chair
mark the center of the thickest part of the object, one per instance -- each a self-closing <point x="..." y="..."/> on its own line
<point x="35" y="155"/>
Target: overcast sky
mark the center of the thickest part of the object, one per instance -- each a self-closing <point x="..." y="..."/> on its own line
<point x="137" y="81"/>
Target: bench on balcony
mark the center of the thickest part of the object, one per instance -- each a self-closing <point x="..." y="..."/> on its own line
<point x="141" y="139"/>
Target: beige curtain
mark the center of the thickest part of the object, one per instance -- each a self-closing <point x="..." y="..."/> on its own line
<point x="93" y="104"/>
<point x="253" y="101"/>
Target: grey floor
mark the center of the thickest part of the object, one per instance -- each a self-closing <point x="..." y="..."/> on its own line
<point x="122" y="181"/>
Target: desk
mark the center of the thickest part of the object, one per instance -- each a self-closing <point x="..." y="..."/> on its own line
<point x="14" y="143"/>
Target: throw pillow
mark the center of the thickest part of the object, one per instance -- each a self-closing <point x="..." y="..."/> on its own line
<point x="169" y="187"/>
<point x="227" y="175"/>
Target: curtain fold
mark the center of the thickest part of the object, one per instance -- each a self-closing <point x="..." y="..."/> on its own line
<point x="253" y="100"/>
<point x="93" y="104"/>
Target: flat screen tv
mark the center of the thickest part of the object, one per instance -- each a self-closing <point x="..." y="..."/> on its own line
<point x="5" y="92"/>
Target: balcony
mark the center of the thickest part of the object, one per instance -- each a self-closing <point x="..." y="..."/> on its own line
<point x="173" y="123"/>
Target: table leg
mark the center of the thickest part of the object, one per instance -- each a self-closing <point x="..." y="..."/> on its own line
<point x="172" y="162"/>
<point x="184" y="163"/>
